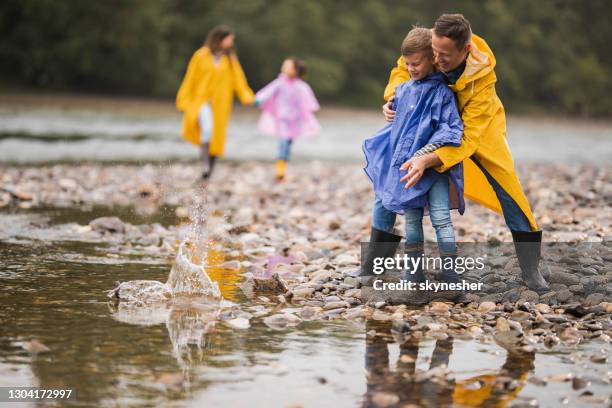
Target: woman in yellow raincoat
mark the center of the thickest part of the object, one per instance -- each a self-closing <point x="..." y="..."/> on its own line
<point x="489" y="174"/>
<point x="207" y="92"/>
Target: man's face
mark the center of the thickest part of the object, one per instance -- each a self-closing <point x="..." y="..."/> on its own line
<point x="447" y="55"/>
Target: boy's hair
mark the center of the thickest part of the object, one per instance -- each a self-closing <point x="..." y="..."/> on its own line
<point x="417" y="40"/>
<point x="300" y="66"/>
<point x="454" y="26"/>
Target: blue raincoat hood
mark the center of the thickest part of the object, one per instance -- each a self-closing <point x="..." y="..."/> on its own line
<point x="426" y="112"/>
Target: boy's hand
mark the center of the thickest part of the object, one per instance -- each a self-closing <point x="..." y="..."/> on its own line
<point x="387" y="111"/>
<point x="416" y="167"/>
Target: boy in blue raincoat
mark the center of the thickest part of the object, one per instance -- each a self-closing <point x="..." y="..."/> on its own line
<point x="426" y="118"/>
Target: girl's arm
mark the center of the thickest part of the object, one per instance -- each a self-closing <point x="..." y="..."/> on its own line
<point x="267" y="92"/>
<point x="309" y="100"/>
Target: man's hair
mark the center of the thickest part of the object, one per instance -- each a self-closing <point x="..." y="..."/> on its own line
<point x="454" y="26"/>
<point x="417" y="40"/>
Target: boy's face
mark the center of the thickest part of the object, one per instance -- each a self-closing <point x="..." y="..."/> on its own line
<point x="419" y="65"/>
<point x="447" y="55"/>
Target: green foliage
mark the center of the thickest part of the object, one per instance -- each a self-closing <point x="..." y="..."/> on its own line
<point x="551" y="54"/>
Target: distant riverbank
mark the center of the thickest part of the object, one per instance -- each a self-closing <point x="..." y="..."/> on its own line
<point x="39" y="128"/>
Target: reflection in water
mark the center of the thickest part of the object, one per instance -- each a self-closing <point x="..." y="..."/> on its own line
<point x="435" y="387"/>
<point x="199" y="288"/>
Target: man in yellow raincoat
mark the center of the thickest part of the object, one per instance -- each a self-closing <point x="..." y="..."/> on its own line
<point x="206" y="94"/>
<point x="490" y="178"/>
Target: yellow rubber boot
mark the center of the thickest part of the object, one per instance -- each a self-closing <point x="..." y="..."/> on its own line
<point x="281" y="167"/>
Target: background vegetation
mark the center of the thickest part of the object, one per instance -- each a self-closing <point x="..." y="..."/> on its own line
<point x="553" y="55"/>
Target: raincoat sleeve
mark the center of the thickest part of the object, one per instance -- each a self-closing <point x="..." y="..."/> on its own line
<point x="187" y="90"/>
<point x="241" y="87"/>
<point x="398" y="76"/>
<point x="267" y="92"/>
<point x="309" y="100"/>
<point x="449" y="127"/>
<point x="477" y="116"/>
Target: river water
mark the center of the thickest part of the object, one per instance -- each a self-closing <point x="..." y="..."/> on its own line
<point x="35" y="130"/>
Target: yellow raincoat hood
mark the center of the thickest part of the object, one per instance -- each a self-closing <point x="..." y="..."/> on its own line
<point x="484" y="135"/>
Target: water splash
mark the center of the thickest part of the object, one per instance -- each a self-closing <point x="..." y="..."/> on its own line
<point x="188" y="276"/>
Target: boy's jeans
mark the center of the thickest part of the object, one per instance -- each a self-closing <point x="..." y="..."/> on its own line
<point x="439" y="213"/>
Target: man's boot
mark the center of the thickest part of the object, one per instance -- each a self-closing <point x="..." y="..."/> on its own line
<point x="382" y="245"/>
<point x="528" y="246"/>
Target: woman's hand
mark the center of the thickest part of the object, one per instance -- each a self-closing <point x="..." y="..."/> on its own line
<point x="416" y="167"/>
<point x="387" y="111"/>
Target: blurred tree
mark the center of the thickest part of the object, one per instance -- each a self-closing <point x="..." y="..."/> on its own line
<point x="551" y="55"/>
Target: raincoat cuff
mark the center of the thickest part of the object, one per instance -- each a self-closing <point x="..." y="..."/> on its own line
<point x="445" y="166"/>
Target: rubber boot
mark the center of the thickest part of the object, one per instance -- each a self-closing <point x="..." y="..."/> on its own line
<point x="382" y="245"/>
<point x="281" y="167"/>
<point x="448" y="274"/>
<point x="417" y="276"/>
<point x="528" y="247"/>
<point x="208" y="162"/>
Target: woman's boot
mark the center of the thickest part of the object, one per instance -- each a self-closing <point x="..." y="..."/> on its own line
<point x="206" y="161"/>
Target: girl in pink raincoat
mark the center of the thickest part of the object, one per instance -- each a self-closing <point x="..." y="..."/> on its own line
<point x="288" y="106"/>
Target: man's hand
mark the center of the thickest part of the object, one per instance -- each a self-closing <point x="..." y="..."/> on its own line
<point x="387" y="111"/>
<point x="416" y="166"/>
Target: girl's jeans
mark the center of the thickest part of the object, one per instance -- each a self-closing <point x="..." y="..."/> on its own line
<point x="284" y="149"/>
<point x="439" y="212"/>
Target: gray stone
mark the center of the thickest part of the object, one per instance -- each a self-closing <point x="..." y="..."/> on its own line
<point x="564" y="278"/>
<point x="564" y="296"/>
<point x="594" y="299"/>
<point x="593" y="284"/>
<point x="108" y="224"/>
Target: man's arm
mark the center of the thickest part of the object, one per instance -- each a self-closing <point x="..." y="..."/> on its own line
<point x="476" y="116"/>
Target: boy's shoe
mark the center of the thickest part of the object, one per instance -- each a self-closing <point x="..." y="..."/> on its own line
<point x="281" y="167"/>
<point x="417" y="275"/>
<point x="448" y="273"/>
<point x="382" y="245"/>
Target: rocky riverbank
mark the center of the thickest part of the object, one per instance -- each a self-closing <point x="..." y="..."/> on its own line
<point x="307" y="230"/>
